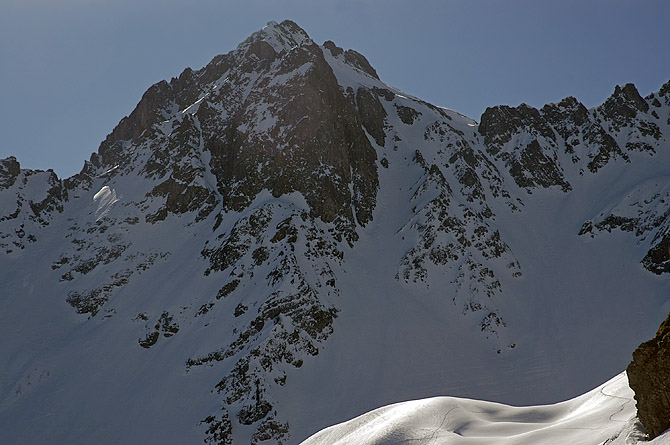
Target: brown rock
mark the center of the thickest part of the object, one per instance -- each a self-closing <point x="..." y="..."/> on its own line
<point x="649" y="377"/>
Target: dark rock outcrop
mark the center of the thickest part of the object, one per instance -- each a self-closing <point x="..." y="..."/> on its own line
<point x="359" y="61"/>
<point x="649" y="377"/>
<point x="657" y="259"/>
<point x="373" y="115"/>
<point x="9" y="171"/>
<point x="296" y="130"/>
<point x="499" y="124"/>
<point x="624" y="104"/>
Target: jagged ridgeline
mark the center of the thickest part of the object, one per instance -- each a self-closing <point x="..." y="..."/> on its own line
<point x="282" y="225"/>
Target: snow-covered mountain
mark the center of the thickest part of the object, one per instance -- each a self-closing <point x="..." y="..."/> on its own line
<point x="280" y="241"/>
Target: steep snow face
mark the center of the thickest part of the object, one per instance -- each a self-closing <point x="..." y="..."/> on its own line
<point x="603" y="415"/>
<point x="280" y="241"/>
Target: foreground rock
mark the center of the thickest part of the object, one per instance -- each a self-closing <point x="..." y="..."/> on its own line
<point x="649" y="377"/>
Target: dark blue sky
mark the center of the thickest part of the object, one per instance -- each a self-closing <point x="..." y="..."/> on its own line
<point x="71" y="69"/>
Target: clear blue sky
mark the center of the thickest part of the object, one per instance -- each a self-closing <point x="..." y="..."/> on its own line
<point x="71" y="69"/>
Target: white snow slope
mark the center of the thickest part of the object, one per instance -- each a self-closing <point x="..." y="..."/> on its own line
<point x="605" y="415"/>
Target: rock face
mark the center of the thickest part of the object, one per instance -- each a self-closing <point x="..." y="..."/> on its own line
<point x="282" y="223"/>
<point x="649" y="377"/>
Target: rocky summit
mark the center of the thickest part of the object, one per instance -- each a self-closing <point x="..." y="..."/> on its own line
<point x="280" y="241"/>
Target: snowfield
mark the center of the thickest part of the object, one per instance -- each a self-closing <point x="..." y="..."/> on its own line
<point x="605" y="415"/>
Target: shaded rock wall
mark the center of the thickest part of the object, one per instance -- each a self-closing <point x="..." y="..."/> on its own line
<point x="649" y="377"/>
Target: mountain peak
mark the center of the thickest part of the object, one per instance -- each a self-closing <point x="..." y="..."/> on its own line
<point x="9" y="171"/>
<point x="628" y="97"/>
<point x="280" y="36"/>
